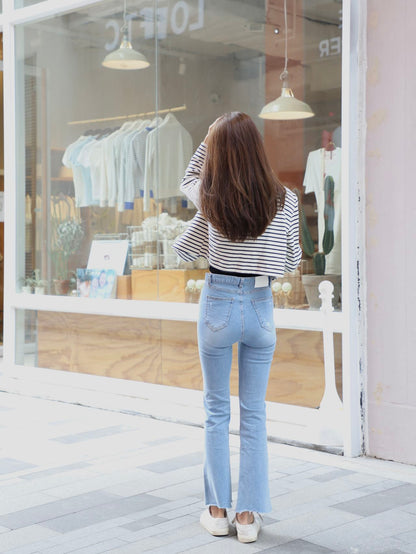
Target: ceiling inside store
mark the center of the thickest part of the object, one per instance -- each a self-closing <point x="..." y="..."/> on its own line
<point x="231" y="27"/>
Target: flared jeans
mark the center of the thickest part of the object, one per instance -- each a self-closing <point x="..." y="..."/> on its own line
<point x="236" y="310"/>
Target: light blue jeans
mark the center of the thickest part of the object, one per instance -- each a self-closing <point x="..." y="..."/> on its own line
<point x="233" y="310"/>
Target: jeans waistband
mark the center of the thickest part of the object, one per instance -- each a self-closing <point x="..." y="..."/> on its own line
<point x="241" y="282"/>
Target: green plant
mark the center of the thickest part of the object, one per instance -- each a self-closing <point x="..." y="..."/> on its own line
<point x="328" y="238"/>
<point x="26" y="282"/>
<point x="36" y="280"/>
<point x="68" y="237"/>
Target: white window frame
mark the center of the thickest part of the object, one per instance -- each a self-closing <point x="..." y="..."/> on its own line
<point x="349" y="322"/>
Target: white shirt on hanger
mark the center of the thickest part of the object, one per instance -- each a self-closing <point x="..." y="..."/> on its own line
<point x="320" y="164"/>
<point x="131" y="167"/>
<point x="168" y="151"/>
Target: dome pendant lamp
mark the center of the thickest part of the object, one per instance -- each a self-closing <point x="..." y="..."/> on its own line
<point x="286" y="106"/>
<point x="125" y="57"/>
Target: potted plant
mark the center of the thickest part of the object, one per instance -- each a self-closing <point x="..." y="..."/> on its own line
<point x="311" y="282"/>
<point x="39" y="284"/>
<point x="68" y="239"/>
<point x="27" y="284"/>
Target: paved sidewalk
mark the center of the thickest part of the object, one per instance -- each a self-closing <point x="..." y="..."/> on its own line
<point x="84" y="480"/>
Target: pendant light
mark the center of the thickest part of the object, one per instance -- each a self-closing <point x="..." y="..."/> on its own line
<point x="286" y="106"/>
<point x="125" y="57"/>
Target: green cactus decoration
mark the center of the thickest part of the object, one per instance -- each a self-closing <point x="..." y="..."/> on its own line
<point x="308" y="246"/>
<point x="329" y="214"/>
<point x="319" y="263"/>
<point x="307" y="242"/>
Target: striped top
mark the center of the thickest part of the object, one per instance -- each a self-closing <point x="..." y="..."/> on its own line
<point x="273" y="253"/>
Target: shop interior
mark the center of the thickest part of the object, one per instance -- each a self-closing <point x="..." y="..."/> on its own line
<point x="104" y="151"/>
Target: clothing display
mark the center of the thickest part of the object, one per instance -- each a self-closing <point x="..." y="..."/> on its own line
<point x="113" y="168"/>
<point x="81" y="173"/>
<point x="321" y="164"/>
<point x="164" y="171"/>
<point x="273" y="253"/>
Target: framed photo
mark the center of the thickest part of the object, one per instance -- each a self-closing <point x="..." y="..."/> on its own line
<point x="96" y="283"/>
<point x="108" y="254"/>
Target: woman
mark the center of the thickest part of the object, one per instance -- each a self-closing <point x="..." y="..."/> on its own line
<point x="247" y="227"/>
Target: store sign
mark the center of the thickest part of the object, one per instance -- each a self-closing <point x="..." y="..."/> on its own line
<point x="176" y="17"/>
<point x="331" y="46"/>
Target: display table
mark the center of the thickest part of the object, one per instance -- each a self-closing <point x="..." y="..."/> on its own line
<point x="164" y="284"/>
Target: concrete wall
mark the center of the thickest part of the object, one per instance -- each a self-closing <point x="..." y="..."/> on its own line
<point x="390" y="220"/>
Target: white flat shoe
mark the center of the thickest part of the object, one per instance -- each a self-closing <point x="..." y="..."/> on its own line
<point x="217" y="526"/>
<point x="250" y="531"/>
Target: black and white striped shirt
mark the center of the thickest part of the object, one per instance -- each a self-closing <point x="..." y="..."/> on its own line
<point x="273" y="253"/>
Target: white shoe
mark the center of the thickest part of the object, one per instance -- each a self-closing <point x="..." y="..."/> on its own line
<point x="217" y="526"/>
<point x="250" y="531"/>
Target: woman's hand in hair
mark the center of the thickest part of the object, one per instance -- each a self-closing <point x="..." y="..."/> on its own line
<point x="211" y="127"/>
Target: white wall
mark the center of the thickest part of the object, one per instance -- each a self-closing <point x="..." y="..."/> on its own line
<point x="390" y="220"/>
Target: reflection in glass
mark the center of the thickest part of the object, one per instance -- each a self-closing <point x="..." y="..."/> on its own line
<point x="100" y="154"/>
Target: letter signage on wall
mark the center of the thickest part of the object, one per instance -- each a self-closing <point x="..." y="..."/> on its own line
<point x="176" y="17"/>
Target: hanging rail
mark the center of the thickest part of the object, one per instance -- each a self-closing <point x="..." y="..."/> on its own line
<point x="85" y="121"/>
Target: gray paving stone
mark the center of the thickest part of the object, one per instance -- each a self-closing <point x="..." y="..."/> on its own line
<point x="103" y="512"/>
<point x="373" y="533"/>
<point x="178" y="462"/>
<point x="410" y="508"/>
<point x="298" y="546"/>
<point x="381" y="485"/>
<point x="334" y="474"/>
<point x="10" y="465"/>
<point x="294" y="468"/>
<point x="144" y="545"/>
<point x="94" y="548"/>
<point x="105" y="546"/>
<point x="22" y="537"/>
<point x="164" y="440"/>
<point x="181" y="526"/>
<point x="407" y="548"/>
<point x="225" y="546"/>
<point x="88" y="435"/>
<point x="143" y="523"/>
<point x="367" y="550"/>
<point x="380" y="501"/>
<point x="51" y="510"/>
<point x="55" y="470"/>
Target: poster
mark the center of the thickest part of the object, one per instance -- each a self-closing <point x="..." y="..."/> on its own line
<point x="96" y="283"/>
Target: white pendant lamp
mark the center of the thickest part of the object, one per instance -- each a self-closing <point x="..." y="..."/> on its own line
<point x="125" y="57"/>
<point x="286" y="106"/>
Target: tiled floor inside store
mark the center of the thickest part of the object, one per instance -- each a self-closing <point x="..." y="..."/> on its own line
<point x="84" y="480"/>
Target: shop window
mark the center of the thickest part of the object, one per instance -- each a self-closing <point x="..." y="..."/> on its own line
<point x="24" y="3"/>
<point x="101" y="151"/>
<point x="105" y="150"/>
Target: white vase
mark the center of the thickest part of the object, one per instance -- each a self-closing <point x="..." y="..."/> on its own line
<point x="27" y="289"/>
<point x="39" y="290"/>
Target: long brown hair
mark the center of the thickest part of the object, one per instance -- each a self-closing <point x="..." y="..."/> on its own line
<point x="239" y="193"/>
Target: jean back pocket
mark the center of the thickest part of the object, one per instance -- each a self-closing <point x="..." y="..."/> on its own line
<point x="264" y="311"/>
<point x="217" y="312"/>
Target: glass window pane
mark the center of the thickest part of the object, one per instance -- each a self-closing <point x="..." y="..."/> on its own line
<point x="24" y="3"/>
<point x="87" y="164"/>
<point x="101" y="151"/>
<point x="73" y="118"/>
